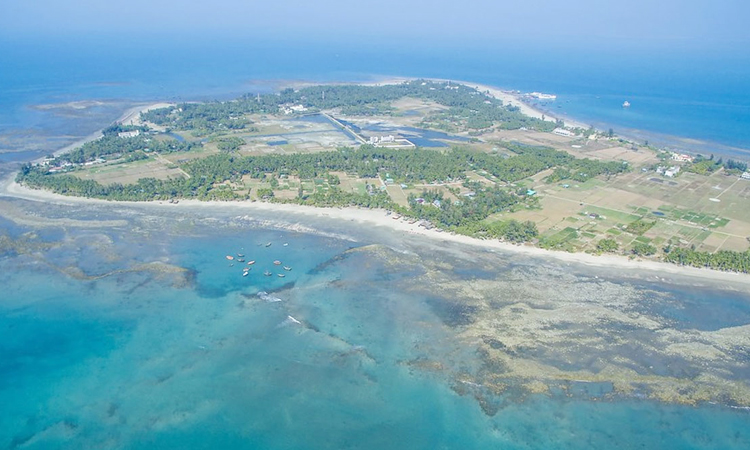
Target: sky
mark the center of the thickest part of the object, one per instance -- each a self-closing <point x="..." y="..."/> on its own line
<point x="718" y="23"/>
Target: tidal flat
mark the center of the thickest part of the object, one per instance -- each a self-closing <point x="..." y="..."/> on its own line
<point x="127" y="327"/>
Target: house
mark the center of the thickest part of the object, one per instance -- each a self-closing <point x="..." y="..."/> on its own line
<point x="681" y="157"/>
<point x="672" y="171"/>
<point x="128" y="134"/>
<point x="563" y="132"/>
<point x="745" y="176"/>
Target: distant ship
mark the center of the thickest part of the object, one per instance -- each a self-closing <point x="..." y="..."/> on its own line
<point x="626" y="104"/>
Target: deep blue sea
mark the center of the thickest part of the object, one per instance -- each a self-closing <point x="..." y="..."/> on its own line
<point x="698" y="100"/>
<point x="140" y="334"/>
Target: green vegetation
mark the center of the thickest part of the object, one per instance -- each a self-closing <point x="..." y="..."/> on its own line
<point x="639" y="227"/>
<point x="704" y="166"/>
<point x="721" y="260"/>
<point x="643" y="249"/>
<point x="465" y="189"/>
<point x="111" y="146"/>
<point x="229" y="144"/>
<point x="467" y="107"/>
<point x="607" y="245"/>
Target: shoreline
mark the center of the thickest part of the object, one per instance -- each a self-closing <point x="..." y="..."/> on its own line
<point x="130" y="116"/>
<point x="508" y="97"/>
<point x="378" y="218"/>
<point x="9" y="188"/>
<point x="668" y="142"/>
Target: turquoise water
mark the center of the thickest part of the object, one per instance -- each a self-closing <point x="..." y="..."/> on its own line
<point x="100" y="351"/>
<point x="197" y="359"/>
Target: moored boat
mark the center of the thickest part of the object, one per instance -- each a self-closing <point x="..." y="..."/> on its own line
<point x="277" y="262"/>
<point x="287" y="268"/>
<point x="230" y="257"/>
<point x="250" y="263"/>
<point x="281" y="275"/>
<point x="267" y="273"/>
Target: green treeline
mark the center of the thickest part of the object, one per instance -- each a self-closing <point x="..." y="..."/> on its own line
<point x="110" y="145"/>
<point x="722" y="260"/>
<point x="466" y="216"/>
<point x="702" y="165"/>
<point x="434" y="207"/>
<point x="408" y="166"/>
<point x="473" y="108"/>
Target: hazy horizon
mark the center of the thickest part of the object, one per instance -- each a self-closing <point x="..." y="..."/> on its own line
<point x="574" y="24"/>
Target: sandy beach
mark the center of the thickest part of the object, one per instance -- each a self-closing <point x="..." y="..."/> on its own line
<point x="507" y="97"/>
<point x="378" y="218"/>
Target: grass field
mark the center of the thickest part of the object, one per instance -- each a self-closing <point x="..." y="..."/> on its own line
<point x="127" y="173"/>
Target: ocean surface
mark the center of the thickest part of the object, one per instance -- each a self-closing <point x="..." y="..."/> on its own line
<point x="692" y="99"/>
<point x="129" y="329"/>
<point x="139" y="333"/>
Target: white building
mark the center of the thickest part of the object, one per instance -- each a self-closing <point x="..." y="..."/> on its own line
<point x="374" y="140"/>
<point x="129" y="134"/>
<point x="563" y="132"/>
<point x="682" y="157"/>
<point x="672" y="171"/>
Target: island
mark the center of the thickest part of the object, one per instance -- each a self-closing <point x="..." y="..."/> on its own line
<point x="437" y="155"/>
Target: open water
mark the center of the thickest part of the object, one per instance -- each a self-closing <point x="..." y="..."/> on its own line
<point x="693" y="99"/>
<point x="100" y="351"/>
<point x="141" y="335"/>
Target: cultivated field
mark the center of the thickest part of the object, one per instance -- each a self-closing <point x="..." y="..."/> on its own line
<point x="709" y="212"/>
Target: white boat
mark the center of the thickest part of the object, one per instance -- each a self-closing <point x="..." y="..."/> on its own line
<point x="626" y="104"/>
<point x="293" y="320"/>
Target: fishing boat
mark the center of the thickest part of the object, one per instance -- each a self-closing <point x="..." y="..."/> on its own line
<point x="268" y="244"/>
<point x="250" y="263"/>
<point x="230" y="257"/>
<point x="287" y="268"/>
<point x="281" y="275"/>
<point x="240" y="255"/>
<point x="241" y="259"/>
<point x="267" y="273"/>
<point x="244" y="274"/>
<point x="277" y="262"/>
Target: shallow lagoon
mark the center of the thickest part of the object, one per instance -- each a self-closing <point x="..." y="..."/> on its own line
<point x="156" y="341"/>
